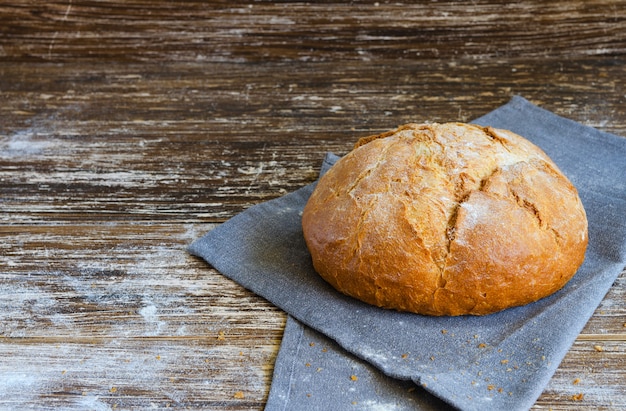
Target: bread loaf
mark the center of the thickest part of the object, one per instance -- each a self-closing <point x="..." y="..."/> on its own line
<point x="445" y="219"/>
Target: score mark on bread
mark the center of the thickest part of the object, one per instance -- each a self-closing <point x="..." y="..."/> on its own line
<point x="445" y="219"/>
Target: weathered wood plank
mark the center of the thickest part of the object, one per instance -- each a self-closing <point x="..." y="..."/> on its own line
<point x="129" y="373"/>
<point x="588" y="378"/>
<point x="121" y="316"/>
<point x="301" y="31"/>
<point x="120" y="280"/>
<point x="241" y="102"/>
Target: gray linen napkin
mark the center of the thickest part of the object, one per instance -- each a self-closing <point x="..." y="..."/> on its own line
<point x="365" y="357"/>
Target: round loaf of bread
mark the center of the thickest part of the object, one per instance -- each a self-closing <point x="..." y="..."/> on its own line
<point x="445" y="219"/>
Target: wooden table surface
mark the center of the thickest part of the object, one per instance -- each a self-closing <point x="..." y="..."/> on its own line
<point x="128" y="129"/>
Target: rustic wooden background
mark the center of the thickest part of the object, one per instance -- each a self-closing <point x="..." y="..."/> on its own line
<point x="128" y="129"/>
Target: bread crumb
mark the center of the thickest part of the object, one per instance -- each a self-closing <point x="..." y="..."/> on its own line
<point x="354" y="377"/>
<point x="308" y="395"/>
<point x="432" y="358"/>
<point x="404" y="356"/>
<point x="311" y="344"/>
<point x="158" y="357"/>
<point x="113" y="390"/>
<point x="444" y="331"/>
<point x="504" y="362"/>
<point x="598" y="348"/>
<point x="239" y="395"/>
<point x="307" y="364"/>
<point x="221" y="335"/>
<point x="482" y="345"/>
<point x="578" y="397"/>
<point x="319" y="369"/>
<point x="576" y="381"/>
<point x="490" y="387"/>
<point x="324" y="349"/>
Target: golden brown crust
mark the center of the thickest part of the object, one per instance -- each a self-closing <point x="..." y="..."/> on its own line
<point x="445" y="219"/>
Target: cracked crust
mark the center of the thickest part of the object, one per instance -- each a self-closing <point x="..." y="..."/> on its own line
<point x="445" y="219"/>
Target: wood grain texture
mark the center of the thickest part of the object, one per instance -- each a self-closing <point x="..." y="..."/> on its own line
<point x="302" y="31"/>
<point x="128" y="129"/>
